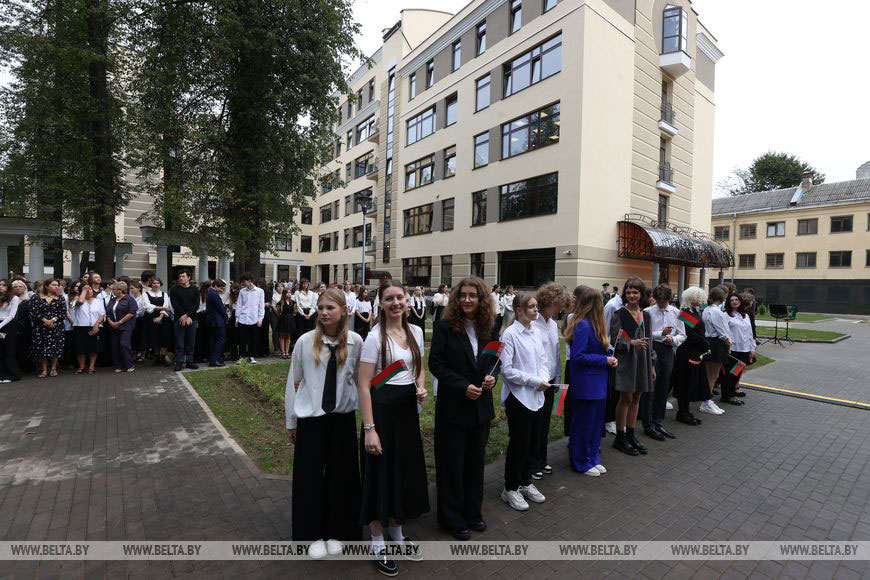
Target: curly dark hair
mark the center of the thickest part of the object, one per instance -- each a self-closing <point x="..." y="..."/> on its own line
<point x="484" y="321"/>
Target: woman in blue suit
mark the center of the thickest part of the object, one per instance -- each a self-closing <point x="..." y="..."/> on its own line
<point x="590" y="364"/>
<point x="216" y="320"/>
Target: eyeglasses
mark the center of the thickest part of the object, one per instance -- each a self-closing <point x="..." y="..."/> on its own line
<point x="468" y="297"/>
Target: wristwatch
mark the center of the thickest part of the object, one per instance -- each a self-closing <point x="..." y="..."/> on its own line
<point x="368" y="426"/>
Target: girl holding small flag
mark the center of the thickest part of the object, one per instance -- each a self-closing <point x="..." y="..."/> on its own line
<point x="463" y="360"/>
<point x="630" y="329"/>
<point x="590" y="365"/>
<point x="320" y="401"/>
<point x="525" y="372"/>
<point x="392" y="382"/>
<point x="742" y="351"/>
<point x="689" y="379"/>
<point x="718" y="334"/>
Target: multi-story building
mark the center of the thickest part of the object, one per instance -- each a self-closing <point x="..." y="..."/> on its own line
<point x="802" y="245"/>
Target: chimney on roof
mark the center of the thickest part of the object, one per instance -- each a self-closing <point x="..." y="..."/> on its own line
<point x="805" y="186"/>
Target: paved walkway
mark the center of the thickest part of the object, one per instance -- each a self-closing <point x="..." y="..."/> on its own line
<point x="135" y="457"/>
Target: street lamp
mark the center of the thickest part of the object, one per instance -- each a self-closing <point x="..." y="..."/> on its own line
<point x="365" y="201"/>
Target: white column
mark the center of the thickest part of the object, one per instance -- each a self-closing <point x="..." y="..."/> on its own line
<point x="655" y="274"/>
<point x="703" y="279"/>
<point x="274" y="271"/>
<point x="4" y="260"/>
<point x="162" y="266"/>
<point x="681" y="283"/>
<point x="120" y="254"/>
<point x="298" y="272"/>
<point x="202" y="268"/>
<point x="37" y="261"/>
<point x="224" y="268"/>
<point x="75" y="262"/>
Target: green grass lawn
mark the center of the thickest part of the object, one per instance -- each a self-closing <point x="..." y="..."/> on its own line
<point x="760" y="361"/>
<point x="799" y="333"/>
<point x="801" y="317"/>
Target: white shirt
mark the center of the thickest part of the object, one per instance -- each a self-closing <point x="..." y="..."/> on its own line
<point x="740" y="328"/>
<point x="659" y="319"/>
<point x="715" y="323"/>
<point x="507" y="302"/>
<point x="276" y="297"/>
<point x="143" y="305"/>
<point x="87" y="313"/>
<point x="523" y="365"/>
<point x="550" y="336"/>
<point x="8" y="311"/>
<point x="371" y="353"/>
<point x="439" y="299"/>
<point x="305" y="299"/>
<point x="251" y="305"/>
<point x="472" y="335"/>
<point x="167" y="303"/>
<point x="303" y="396"/>
<point x="350" y="298"/>
<point x="499" y="307"/>
<point x="363" y="306"/>
<point x="612" y="306"/>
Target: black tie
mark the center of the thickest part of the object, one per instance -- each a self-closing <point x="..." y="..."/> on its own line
<point x="329" y="384"/>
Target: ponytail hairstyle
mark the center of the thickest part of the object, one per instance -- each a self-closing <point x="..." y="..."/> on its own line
<point x="409" y="336"/>
<point x="337" y="296"/>
<point x="588" y="304"/>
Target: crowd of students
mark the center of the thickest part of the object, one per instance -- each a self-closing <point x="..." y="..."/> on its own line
<point x="623" y="360"/>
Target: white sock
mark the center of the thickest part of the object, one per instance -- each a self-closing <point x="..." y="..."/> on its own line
<point x="378" y="543"/>
<point x="396" y="534"/>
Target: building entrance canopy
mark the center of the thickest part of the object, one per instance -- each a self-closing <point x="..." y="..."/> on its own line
<point x="642" y="238"/>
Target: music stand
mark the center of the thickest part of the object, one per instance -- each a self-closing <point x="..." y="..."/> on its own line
<point x="779" y="312"/>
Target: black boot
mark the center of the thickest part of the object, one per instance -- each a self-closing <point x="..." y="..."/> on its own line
<point x="629" y="435"/>
<point x="622" y="444"/>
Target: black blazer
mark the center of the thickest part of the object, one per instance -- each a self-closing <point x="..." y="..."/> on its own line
<point x="452" y="362"/>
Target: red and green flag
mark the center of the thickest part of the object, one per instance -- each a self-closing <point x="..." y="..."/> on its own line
<point x="737" y="368"/>
<point x="559" y="402"/>
<point x="383" y="377"/>
<point x="687" y="318"/>
<point x="624" y="334"/>
<point x="493" y="347"/>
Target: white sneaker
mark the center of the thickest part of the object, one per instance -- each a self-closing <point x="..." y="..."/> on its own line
<point x="334" y="547"/>
<point x="593" y="472"/>
<point x="669" y="406"/>
<point x="611" y="427"/>
<point x="710" y="407"/>
<point x="600" y="469"/>
<point x="515" y="500"/>
<point x="240" y="361"/>
<point x="531" y="493"/>
<point x="317" y="550"/>
<point x="719" y="410"/>
<point x="251" y="361"/>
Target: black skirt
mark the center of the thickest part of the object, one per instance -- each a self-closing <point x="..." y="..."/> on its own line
<point x="394" y="483"/>
<point x="287" y="321"/>
<point x="718" y="351"/>
<point x="85" y="343"/>
<point x="689" y="379"/>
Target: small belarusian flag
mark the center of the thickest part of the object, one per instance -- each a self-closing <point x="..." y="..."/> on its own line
<point x="388" y="373"/>
<point x="688" y="319"/>
<point x="559" y="402"/>
<point x="737" y="368"/>
<point x="624" y="334"/>
<point x="494" y="348"/>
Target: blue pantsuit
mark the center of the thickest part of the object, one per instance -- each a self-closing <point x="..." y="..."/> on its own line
<point x="587" y="421"/>
<point x="588" y="389"/>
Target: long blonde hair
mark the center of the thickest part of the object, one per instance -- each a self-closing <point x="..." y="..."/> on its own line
<point x="588" y="304"/>
<point x="337" y="296"/>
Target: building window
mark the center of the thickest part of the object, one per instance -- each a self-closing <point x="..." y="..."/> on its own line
<point x="775" y="229"/>
<point x="550" y="4"/>
<point x="419" y="172"/>
<point x="747" y="231"/>
<point x="867" y="262"/>
<point x="305" y="244"/>
<point x="358" y="235"/>
<point x="360" y="198"/>
<point x="452" y="110"/>
<point x="664" y="200"/>
<point x="527" y="268"/>
<point x="421" y="126"/>
<point x="337" y="148"/>
<point x="418" y="220"/>
<point x="335" y="240"/>
<point x="365" y="129"/>
<point x="326" y="213"/>
<point x="477" y="264"/>
<point x="478" y="208"/>
<point x="307" y="216"/>
<point x="746" y="261"/>
<point x="481" y="149"/>
<point x="347" y="210"/>
<point x="721" y="233"/>
<point x="841" y="224"/>
<point x="457" y="55"/>
<point x="346" y="239"/>
<point x="482" y="93"/>
<point x="774" y="260"/>
<point x="531" y="131"/>
<point x="530" y="197"/>
<point x="349" y="109"/>
<point x="364" y="163"/>
<point x="349" y="140"/>
<point x="806" y="260"/>
<point x="450" y="162"/>
<point x="841" y="259"/>
<point x="807" y="227"/>
<point x="371" y="98"/>
<point x="282" y="243"/>
<point x="417" y="272"/>
<point x="481" y="38"/>
<point x="348" y="171"/>
<point x="324" y="243"/>
<point x="539" y="63"/>
<point x="516" y="15"/>
<point x="447" y="270"/>
<point x="430" y="73"/>
<point x="675" y="30"/>
<point x="447" y="207"/>
<point x="412" y="86"/>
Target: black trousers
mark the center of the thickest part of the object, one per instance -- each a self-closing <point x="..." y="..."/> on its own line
<point x="727" y="381"/>
<point x="9" y="353"/>
<point x="218" y="335"/>
<point x="326" y="479"/>
<point x="652" y="405"/>
<point x="523" y="432"/>
<point x="460" y="454"/>
<point x="539" y="452"/>
<point x="248" y="335"/>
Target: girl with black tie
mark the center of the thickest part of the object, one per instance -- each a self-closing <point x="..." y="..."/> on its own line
<point x="394" y="470"/>
<point x="320" y="401"/>
<point x="463" y="409"/>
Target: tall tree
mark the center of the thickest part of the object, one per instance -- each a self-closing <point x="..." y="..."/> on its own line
<point x="769" y="171"/>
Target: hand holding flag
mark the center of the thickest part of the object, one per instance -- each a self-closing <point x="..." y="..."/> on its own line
<point x="494" y="348"/>
<point x="738" y="366"/>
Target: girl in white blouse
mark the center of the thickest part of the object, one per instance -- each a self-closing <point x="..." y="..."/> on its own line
<point x="305" y="300"/>
<point x="525" y="372"/>
<point x="8" y="333"/>
<point x="320" y="402"/>
<point x="507" y="301"/>
<point x="717" y="333"/>
<point x="742" y="348"/>
<point x="417" y="313"/>
<point x="439" y="301"/>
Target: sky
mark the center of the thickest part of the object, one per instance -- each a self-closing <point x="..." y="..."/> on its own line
<point x="794" y="77"/>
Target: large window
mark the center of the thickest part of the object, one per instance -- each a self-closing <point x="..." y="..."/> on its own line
<point x="841" y="224"/>
<point x="478" y="208"/>
<point x="481" y="149"/>
<point x="527" y="268"/>
<point x="664" y="204"/>
<point x="746" y="261"/>
<point x="430" y="73"/>
<point x="841" y="259"/>
<point x="282" y="243"/>
<point x="326" y="213"/>
<point x="675" y="30"/>
<point x="805" y="260"/>
<point x="539" y="63"/>
<point x="452" y="109"/>
<point x="550" y="4"/>
<point x="419" y="172"/>
<point x="349" y="139"/>
<point x="775" y="229"/>
<point x="412" y="86"/>
<point x="478" y="264"/>
<point x="808" y="227"/>
<point x="363" y="164"/>
<point x="418" y="220"/>
<point x="364" y="129"/>
<point x="774" y="260"/>
<point x="481" y="38"/>
<point x="447" y="207"/>
<point x="358" y="235"/>
<point x="516" y="15"/>
<point x="447" y="270"/>
<point x="531" y="131"/>
<point x="450" y="162"/>
<point x="747" y="231"/>
<point x="421" y="126"/>
<point x="307" y="215"/>
<point x="721" y="233"/>
<point x="305" y="244"/>
<point x="530" y="197"/>
<point x="482" y="93"/>
<point x="457" y="55"/>
<point x="324" y="243"/>
<point x="417" y="272"/>
<point x="371" y="98"/>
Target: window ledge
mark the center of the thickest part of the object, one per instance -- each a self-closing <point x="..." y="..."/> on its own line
<point x="666" y="127"/>
<point x="665" y="186"/>
<point x="675" y="63"/>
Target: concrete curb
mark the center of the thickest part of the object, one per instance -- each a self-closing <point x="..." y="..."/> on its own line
<point x="814" y="341"/>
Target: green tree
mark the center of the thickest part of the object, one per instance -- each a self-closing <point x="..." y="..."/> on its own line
<point x="769" y="171"/>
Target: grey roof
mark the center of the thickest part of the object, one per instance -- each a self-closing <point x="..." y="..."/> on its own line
<point x="778" y="199"/>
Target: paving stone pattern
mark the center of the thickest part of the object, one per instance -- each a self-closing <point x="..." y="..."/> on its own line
<point x="133" y="456"/>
